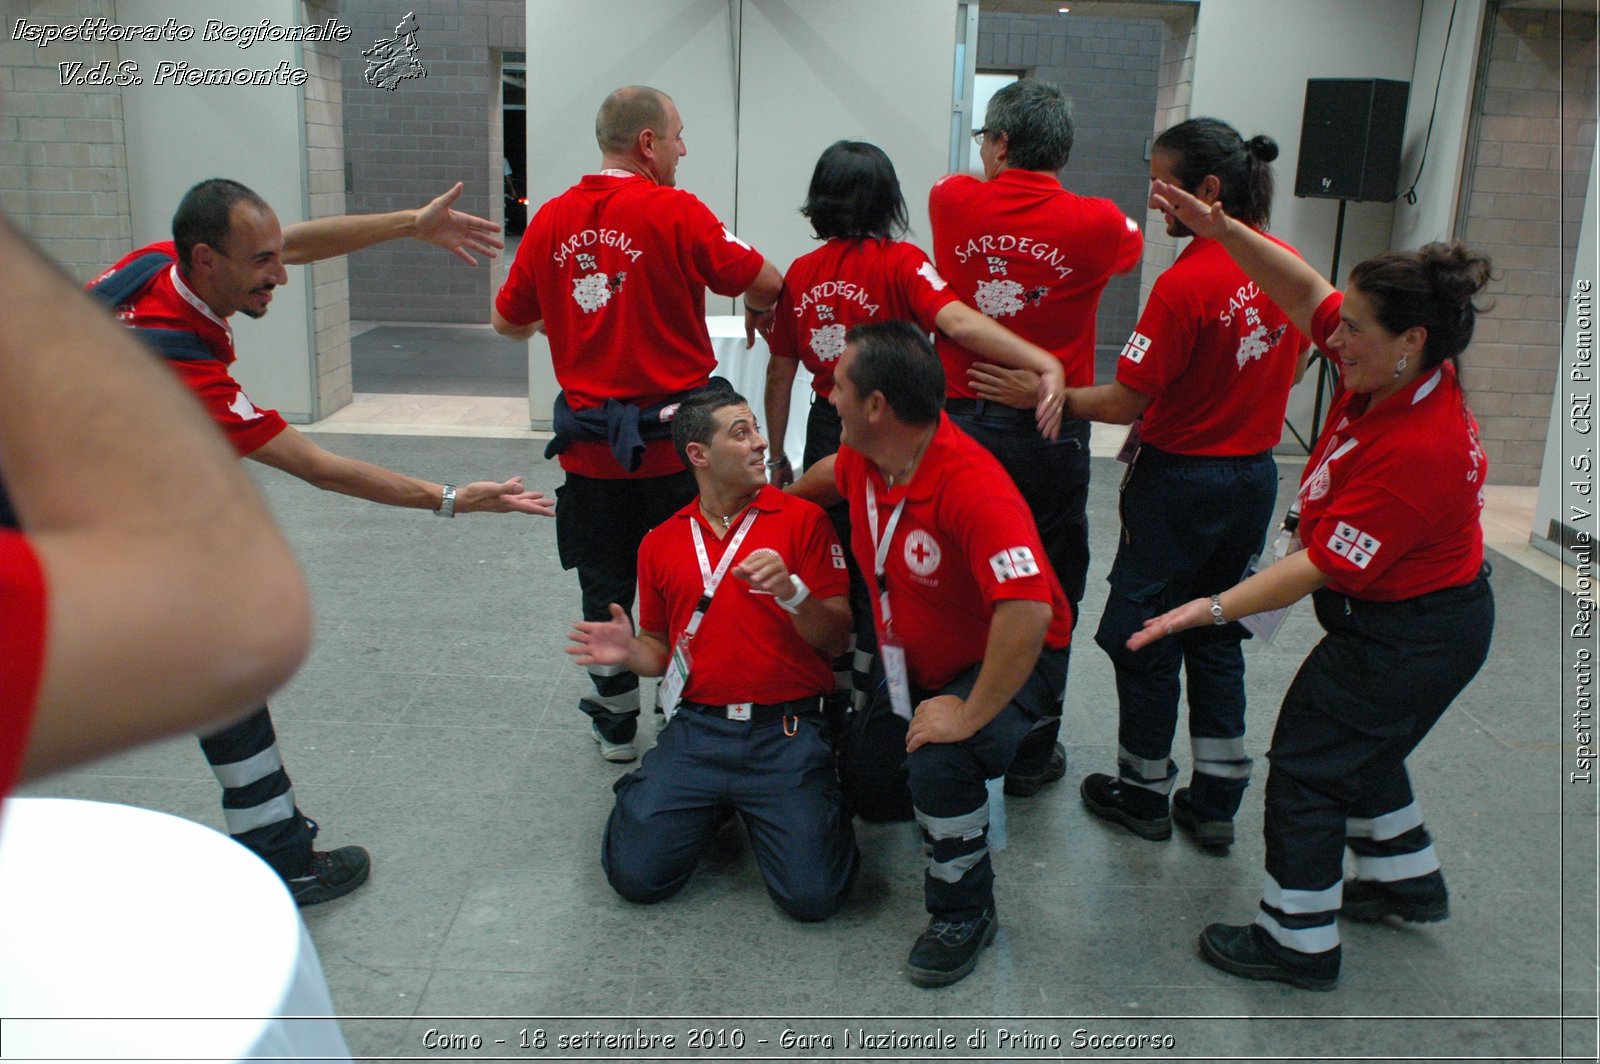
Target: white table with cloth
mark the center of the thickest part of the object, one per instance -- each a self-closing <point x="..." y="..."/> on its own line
<point x="121" y="937"/>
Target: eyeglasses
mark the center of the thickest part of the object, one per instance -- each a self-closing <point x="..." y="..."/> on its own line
<point x="979" y="134"/>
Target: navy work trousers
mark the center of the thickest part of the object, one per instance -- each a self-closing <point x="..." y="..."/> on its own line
<point x="599" y="526"/>
<point x="1365" y="697"/>
<point x="1053" y="476"/>
<point x="778" y="775"/>
<point x="945" y="785"/>
<point x="1190" y="525"/>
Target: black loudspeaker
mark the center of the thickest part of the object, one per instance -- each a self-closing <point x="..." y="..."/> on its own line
<point x="1350" y="138"/>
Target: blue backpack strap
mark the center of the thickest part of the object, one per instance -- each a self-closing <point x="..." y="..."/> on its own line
<point x="177" y="345"/>
<point x="121" y="285"/>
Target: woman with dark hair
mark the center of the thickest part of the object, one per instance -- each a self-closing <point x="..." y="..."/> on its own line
<point x="1391" y="550"/>
<point x="864" y="273"/>
<point x="1204" y="379"/>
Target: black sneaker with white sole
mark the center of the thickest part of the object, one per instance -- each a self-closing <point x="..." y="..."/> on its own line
<point x="331" y="874"/>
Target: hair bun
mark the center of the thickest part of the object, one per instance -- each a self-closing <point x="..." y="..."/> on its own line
<point x="1263" y="147"/>
<point x="1456" y="271"/>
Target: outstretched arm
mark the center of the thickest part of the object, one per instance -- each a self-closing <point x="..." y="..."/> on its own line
<point x="982" y="334"/>
<point x="459" y="233"/>
<point x="294" y="453"/>
<point x="613" y="643"/>
<point x="1113" y="404"/>
<point x="1286" y="278"/>
<point x="1276" y="586"/>
<point x="173" y="602"/>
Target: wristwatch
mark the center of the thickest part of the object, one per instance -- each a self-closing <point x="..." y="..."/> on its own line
<point x="1216" y="610"/>
<point x="447" y="504"/>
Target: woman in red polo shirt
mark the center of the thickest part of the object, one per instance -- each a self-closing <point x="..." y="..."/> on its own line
<point x="1391" y="550"/>
<point x="864" y="273"/>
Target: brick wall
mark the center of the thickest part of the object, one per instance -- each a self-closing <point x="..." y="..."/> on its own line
<point x="407" y="145"/>
<point x="329" y="281"/>
<point x="1523" y="201"/>
<point x="1174" y="87"/>
<point x="63" y="167"/>
<point x="1109" y="68"/>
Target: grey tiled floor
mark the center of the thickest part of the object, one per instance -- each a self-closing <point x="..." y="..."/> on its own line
<point x="437" y="360"/>
<point x="435" y="724"/>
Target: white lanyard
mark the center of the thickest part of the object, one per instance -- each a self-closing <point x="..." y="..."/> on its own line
<point x="1322" y="467"/>
<point x="712" y="580"/>
<point x="880" y="548"/>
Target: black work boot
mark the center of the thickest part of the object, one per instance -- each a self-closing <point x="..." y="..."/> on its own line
<point x="331" y="874"/>
<point x="1141" y="811"/>
<point x="1027" y="780"/>
<point x="948" y="949"/>
<point x="1422" y="900"/>
<point x="1244" y="950"/>
<point x="1213" y="835"/>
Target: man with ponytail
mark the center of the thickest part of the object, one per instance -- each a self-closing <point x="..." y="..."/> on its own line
<point x="1204" y="378"/>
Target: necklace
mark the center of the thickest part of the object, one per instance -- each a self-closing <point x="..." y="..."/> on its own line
<point x="725" y="520"/>
<point x="890" y="480"/>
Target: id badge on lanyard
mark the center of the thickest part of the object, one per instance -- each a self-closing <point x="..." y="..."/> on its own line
<point x="890" y="650"/>
<point x="682" y="659"/>
<point x="677" y="675"/>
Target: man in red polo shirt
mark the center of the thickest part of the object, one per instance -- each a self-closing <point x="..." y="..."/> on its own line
<point x="1034" y="257"/>
<point x="742" y="606"/>
<point x="227" y="256"/>
<point x="92" y="658"/>
<point x="972" y="626"/>
<point x="615" y="271"/>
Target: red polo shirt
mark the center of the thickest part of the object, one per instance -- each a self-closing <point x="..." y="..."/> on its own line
<point x="1391" y="499"/>
<point x="22" y="644"/>
<point x="617" y="269"/>
<point x="747" y="648"/>
<point x="846" y="283"/>
<point x="168" y="303"/>
<point x="1216" y="356"/>
<point x="964" y="542"/>
<point x="1034" y="257"/>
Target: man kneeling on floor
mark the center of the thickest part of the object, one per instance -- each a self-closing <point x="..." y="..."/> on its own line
<point x="745" y="663"/>
<point x="972" y="624"/>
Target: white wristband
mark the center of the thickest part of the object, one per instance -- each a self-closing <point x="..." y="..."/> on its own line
<point x="801" y="593"/>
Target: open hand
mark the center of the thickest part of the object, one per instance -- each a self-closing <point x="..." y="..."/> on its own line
<point x="457" y="232"/>
<point x="602" y="642"/>
<point x="486" y="496"/>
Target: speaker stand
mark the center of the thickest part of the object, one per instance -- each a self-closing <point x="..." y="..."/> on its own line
<point x="1327" y="376"/>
